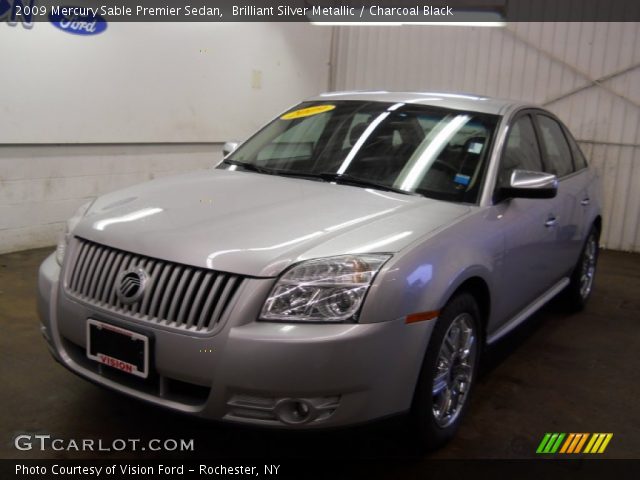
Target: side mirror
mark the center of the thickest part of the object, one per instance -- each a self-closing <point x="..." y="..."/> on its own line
<point x="527" y="184"/>
<point x="229" y="147"/>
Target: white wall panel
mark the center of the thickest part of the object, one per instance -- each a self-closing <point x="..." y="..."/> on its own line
<point x="41" y="186"/>
<point x="155" y="82"/>
<point x="586" y="73"/>
<point x="88" y="115"/>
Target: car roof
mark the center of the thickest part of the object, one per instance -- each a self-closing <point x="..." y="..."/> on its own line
<point x="454" y="101"/>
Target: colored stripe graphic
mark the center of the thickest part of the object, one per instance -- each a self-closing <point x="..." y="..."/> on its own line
<point x="550" y="443"/>
<point x="543" y="442"/>
<point x="581" y="443"/>
<point x="576" y="439"/>
<point x="553" y="443"/>
<point x="605" y="443"/>
<point x="591" y="442"/>
<point x="567" y="443"/>
<point x="598" y="442"/>
<point x="555" y="447"/>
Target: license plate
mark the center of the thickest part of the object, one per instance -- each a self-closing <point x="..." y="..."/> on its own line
<point x="118" y="348"/>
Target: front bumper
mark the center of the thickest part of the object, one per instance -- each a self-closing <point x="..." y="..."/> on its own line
<point x="249" y="371"/>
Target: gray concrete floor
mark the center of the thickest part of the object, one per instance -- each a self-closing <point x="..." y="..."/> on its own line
<point x="557" y="373"/>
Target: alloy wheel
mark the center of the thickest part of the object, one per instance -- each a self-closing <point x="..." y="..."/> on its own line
<point x="454" y="370"/>
<point x="588" y="267"/>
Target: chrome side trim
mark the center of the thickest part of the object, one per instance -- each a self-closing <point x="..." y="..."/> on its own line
<point x="528" y="311"/>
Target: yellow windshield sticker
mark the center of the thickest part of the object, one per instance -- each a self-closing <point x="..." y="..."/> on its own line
<point x="307" y="112"/>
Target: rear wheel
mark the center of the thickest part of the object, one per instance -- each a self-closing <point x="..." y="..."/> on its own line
<point x="448" y="373"/>
<point x="579" y="289"/>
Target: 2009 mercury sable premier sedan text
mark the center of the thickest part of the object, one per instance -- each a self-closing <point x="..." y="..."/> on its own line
<point x="347" y="262"/>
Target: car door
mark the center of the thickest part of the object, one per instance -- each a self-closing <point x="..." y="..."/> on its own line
<point x="558" y="160"/>
<point x="587" y="192"/>
<point x="528" y="227"/>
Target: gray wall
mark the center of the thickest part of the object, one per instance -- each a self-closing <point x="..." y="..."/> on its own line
<point x="586" y="73"/>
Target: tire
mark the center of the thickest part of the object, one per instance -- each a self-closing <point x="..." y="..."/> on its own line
<point x="442" y="396"/>
<point x="579" y="290"/>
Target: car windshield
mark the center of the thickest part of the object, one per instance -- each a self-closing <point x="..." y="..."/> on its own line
<point x="408" y="148"/>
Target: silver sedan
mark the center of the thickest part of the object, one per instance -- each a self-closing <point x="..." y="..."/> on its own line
<point x="347" y="262"/>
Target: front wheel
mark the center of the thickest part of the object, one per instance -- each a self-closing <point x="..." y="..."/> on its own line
<point x="448" y="373"/>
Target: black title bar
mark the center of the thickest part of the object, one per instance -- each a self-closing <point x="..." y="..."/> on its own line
<point x="321" y="11"/>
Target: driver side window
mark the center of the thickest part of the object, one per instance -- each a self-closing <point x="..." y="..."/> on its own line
<point x="521" y="150"/>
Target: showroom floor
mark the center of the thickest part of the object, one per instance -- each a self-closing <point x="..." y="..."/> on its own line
<point x="557" y="373"/>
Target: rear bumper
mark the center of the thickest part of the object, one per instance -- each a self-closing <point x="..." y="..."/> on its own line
<point x="251" y="372"/>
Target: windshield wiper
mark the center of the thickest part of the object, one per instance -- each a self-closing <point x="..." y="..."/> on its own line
<point x="250" y="167"/>
<point x="272" y="171"/>
<point x="361" y="182"/>
<point x="343" y="179"/>
<point x="324" y="176"/>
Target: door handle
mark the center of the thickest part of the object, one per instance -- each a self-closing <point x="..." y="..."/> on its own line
<point x="552" y="221"/>
<point x="585" y="201"/>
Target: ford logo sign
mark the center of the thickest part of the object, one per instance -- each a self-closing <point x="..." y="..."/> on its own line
<point x="5" y="6"/>
<point x="89" y="24"/>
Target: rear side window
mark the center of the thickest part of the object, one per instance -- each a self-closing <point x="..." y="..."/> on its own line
<point x="556" y="148"/>
<point x="578" y="157"/>
<point x="521" y="151"/>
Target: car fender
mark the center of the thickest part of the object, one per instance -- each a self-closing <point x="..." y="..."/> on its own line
<point x="422" y="278"/>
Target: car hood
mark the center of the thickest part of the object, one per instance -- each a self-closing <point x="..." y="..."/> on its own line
<point x="256" y="224"/>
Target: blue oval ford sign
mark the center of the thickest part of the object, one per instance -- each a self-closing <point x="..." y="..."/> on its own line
<point x="78" y="20"/>
<point x="5" y="6"/>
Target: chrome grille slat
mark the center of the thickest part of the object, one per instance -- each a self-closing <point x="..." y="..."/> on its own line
<point x="103" y="278"/>
<point x="197" y="303"/>
<point x="164" y="310"/>
<point x="176" y="299"/>
<point x="177" y="296"/>
<point x="97" y="264"/>
<point x="224" y="297"/>
<point x="84" y="267"/>
<point x="185" y="304"/>
<point x="109" y="290"/>
<point x="154" y="268"/>
<point x="78" y="265"/>
<point x="159" y="290"/>
<point x="210" y="302"/>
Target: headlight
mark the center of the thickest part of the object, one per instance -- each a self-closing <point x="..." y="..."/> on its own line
<point x="323" y="290"/>
<point x="68" y="228"/>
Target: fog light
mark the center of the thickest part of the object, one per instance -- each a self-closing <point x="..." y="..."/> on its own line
<point x="279" y="411"/>
<point x="295" y="411"/>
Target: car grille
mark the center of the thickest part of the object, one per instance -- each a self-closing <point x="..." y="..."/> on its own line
<point x="176" y="296"/>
